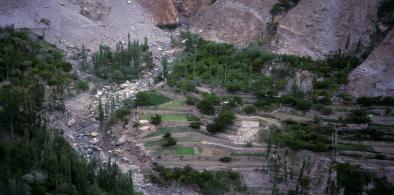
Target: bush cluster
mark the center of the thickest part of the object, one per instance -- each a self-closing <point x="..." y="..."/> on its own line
<point x="375" y="101"/>
<point x="302" y="136"/>
<point x="282" y="6"/>
<point x="168" y="140"/>
<point x="209" y="182"/>
<point x="225" y="119"/>
<point x="145" y="98"/>
<point x="208" y="103"/>
<point x="123" y="63"/>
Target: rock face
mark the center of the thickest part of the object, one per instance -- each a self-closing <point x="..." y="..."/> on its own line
<point x="236" y="21"/>
<point x="164" y="12"/>
<point x="94" y="9"/>
<point x="304" y="81"/>
<point x="318" y="27"/>
<point x="375" y="77"/>
<point x="189" y="8"/>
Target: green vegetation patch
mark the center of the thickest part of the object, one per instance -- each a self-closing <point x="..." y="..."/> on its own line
<point x="33" y="158"/>
<point x="355" y="147"/>
<point x="166" y="117"/>
<point x="163" y="130"/>
<point x="184" y="151"/>
<point x="240" y="70"/>
<point x="355" y="180"/>
<point x="175" y="104"/>
<point x="302" y="136"/>
<point x="172" y="117"/>
<point x="283" y="6"/>
<point x="126" y="62"/>
<point x="147" y="98"/>
<point x="386" y="12"/>
<point x="209" y="182"/>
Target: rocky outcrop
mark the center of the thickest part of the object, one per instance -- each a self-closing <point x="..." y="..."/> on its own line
<point x="164" y="12"/>
<point x="94" y="9"/>
<point x="319" y="27"/>
<point x="237" y="21"/>
<point x="189" y="8"/>
<point x="375" y="76"/>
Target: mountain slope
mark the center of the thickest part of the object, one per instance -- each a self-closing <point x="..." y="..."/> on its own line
<point x="374" y="77"/>
<point x="317" y="28"/>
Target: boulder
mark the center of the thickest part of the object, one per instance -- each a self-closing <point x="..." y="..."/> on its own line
<point x="121" y="141"/>
<point x="95" y="9"/>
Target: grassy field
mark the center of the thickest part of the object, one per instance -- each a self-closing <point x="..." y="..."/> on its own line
<point x="179" y="140"/>
<point x="172" y="117"/>
<point x="355" y="147"/>
<point x="176" y="104"/>
<point x="167" y="117"/>
<point x="184" y="151"/>
<point x="157" y="99"/>
<point x="161" y="131"/>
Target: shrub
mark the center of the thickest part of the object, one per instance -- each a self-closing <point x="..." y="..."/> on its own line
<point x="82" y="85"/>
<point x="225" y="159"/>
<point x="358" y="117"/>
<point x="375" y="101"/>
<point x="145" y="98"/>
<point x="186" y="85"/>
<point x="323" y="109"/>
<point x="122" y="112"/>
<point x="283" y="6"/>
<point x="213" y="128"/>
<point x="386" y="12"/>
<point x="168" y="140"/>
<point x="250" y="109"/>
<point x="302" y="136"/>
<point x="195" y="124"/>
<point x="192" y="118"/>
<point x="225" y="119"/>
<point x="206" y="106"/>
<point x="352" y="178"/>
<point x="155" y="119"/>
<point x="191" y="100"/>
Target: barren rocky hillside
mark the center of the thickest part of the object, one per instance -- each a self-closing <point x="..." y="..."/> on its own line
<point x="71" y="23"/>
<point x="317" y="28"/>
<point x="238" y="22"/>
<point x="292" y="94"/>
<point x="375" y="77"/>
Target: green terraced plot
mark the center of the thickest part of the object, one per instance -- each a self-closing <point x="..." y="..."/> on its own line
<point x="355" y="147"/>
<point x="167" y="117"/>
<point x="171" y="117"/>
<point x="184" y="151"/>
<point x="157" y="99"/>
<point x="161" y="131"/>
<point x="176" y="104"/>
